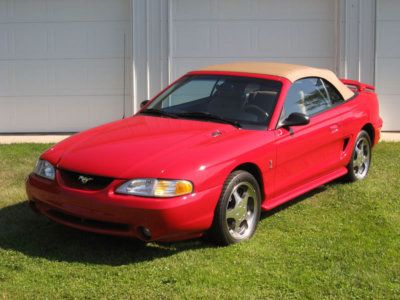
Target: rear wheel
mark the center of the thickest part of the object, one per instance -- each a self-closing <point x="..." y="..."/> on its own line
<point x="361" y="158"/>
<point x="238" y="210"/>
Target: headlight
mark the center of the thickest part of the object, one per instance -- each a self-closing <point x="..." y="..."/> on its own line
<point x="156" y="187"/>
<point x="44" y="169"/>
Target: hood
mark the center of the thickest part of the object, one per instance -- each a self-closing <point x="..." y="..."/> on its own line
<point x="140" y="146"/>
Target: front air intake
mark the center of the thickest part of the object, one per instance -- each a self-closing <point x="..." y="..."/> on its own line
<point x="84" y="181"/>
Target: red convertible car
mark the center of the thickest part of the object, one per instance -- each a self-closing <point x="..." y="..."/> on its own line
<point x="209" y="153"/>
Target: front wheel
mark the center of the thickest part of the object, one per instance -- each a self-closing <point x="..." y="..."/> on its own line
<point x="238" y="209"/>
<point x="361" y="158"/>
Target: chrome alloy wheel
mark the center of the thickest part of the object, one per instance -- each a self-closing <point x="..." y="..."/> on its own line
<point x="361" y="157"/>
<point x="242" y="211"/>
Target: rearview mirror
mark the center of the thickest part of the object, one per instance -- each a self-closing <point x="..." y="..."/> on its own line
<point x="143" y="103"/>
<point x="295" y="119"/>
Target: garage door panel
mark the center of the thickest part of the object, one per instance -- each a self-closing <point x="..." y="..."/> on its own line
<point x="388" y="62"/>
<point x="4" y="10"/>
<point x="27" y="40"/>
<point x="62" y="40"/>
<point x="192" y="9"/>
<point x="312" y="10"/>
<point x="106" y="75"/>
<point x="7" y="114"/>
<point x="289" y="31"/>
<point x="253" y="9"/>
<point x="313" y="39"/>
<point x="254" y="39"/>
<point x="27" y="10"/>
<point x="61" y="10"/>
<point x="389" y="109"/>
<point x="4" y="44"/>
<point x="88" y="77"/>
<point x="387" y="75"/>
<point x="304" y="9"/>
<point x="77" y="10"/>
<point x="80" y="40"/>
<point x="58" y="113"/>
<point x="199" y="34"/>
<point x="295" y="39"/>
<point x="22" y="115"/>
<point x="234" y="9"/>
<point x="69" y="40"/>
<point x="58" y="77"/>
<point x="85" y="112"/>
<point x="29" y="76"/>
<point x="388" y="10"/>
<point x="272" y="39"/>
<point x="61" y="62"/>
<point x="235" y="39"/>
<point x="109" y="10"/>
<point x="388" y="39"/>
<point x="108" y="39"/>
<point x="5" y="77"/>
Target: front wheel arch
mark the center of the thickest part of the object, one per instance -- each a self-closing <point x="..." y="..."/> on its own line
<point x="254" y="170"/>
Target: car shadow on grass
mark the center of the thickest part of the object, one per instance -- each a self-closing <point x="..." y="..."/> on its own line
<point x="35" y="236"/>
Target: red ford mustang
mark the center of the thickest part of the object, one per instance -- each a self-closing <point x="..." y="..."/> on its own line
<point x="208" y="153"/>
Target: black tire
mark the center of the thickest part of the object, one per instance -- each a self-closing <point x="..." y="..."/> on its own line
<point x="359" y="165"/>
<point x="225" y="230"/>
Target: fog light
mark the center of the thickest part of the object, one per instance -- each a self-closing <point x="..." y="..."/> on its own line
<point x="145" y="232"/>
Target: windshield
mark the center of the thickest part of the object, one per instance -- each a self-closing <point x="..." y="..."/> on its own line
<point x="241" y="101"/>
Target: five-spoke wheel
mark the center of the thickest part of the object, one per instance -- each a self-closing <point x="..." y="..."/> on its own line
<point x="361" y="158"/>
<point x="238" y="209"/>
<point x="240" y="217"/>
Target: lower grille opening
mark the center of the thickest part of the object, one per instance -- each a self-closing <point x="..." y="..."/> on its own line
<point x="95" y="224"/>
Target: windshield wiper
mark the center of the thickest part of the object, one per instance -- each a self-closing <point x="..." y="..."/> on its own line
<point x="158" y="112"/>
<point x="208" y="116"/>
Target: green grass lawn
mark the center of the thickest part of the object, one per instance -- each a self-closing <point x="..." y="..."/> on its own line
<point x="339" y="241"/>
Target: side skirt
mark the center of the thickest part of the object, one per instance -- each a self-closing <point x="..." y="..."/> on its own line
<point x="269" y="204"/>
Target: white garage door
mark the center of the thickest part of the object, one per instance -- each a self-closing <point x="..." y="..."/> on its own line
<point x="61" y="63"/>
<point x="207" y="32"/>
<point x="388" y="62"/>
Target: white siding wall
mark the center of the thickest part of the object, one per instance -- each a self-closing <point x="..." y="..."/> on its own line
<point x="61" y="63"/>
<point x="150" y="48"/>
<point x="357" y="40"/>
<point x="388" y="62"/>
<point x="209" y="32"/>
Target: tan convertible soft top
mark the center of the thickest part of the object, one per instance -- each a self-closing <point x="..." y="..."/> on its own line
<point x="289" y="71"/>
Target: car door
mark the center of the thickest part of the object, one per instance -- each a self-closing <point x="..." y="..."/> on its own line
<point x="307" y="152"/>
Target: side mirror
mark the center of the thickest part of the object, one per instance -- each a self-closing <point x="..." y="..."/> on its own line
<point x="295" y="119"/>
<point x="143" y="103"/>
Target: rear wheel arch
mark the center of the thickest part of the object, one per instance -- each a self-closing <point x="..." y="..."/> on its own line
<point x="369" y="128"/>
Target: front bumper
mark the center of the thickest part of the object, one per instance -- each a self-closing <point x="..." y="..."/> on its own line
<point x="105" y="212"/>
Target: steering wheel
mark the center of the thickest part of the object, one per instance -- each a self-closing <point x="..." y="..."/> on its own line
<point x="256" y="110"/>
